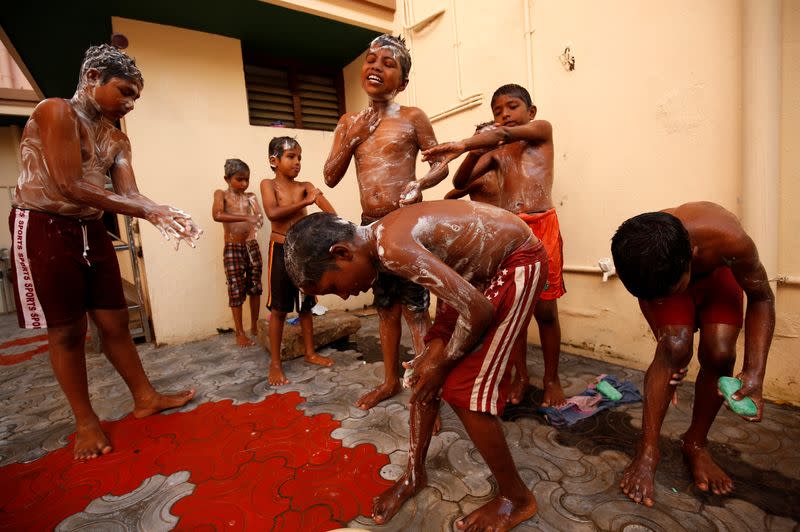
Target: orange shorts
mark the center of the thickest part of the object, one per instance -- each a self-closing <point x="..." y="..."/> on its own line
<point x="545" y="226"/>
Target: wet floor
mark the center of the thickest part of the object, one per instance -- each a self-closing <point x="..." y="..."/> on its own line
<point x="247" y="456"/>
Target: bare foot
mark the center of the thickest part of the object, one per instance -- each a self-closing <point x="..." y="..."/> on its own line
<point x="159" y="401"/>
<point x="553" y="394"/>
<point x="318" y="360"/>
<point x="499" y="514"/>
<point x="637" y="480"/>
<point x="242" y="340"/>
<point x="384" y="391"/>
<point x="276" y="376"/>
<point x="388" y="503"/>
<point x="518" y="389"/>
<point x="706" y="473"/>
<point x="90" y="441"/>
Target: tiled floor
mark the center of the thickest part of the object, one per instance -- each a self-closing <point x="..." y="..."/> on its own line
<point x="247" y="456"/>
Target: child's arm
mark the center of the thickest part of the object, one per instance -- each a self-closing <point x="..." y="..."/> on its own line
<point x="321" y="201"/>
<point x="276" y="212"/>
<point x="475" y="312"/>
<point x="219" y="214"/>
<point x="58" y="128"/>
<point x="171" y="222"/>
<point x="456" y="193"/>
<point x="759" y="321"/>
<point x="351" y="131"/>
<point x="412" y="193"/>
<point x="536" y="131"/>
<point x="473" y="168"/>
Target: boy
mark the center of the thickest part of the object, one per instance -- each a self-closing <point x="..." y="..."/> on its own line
<point x="523" y="161"/>
<point x="384" y="140"/>
<point x="485" y="188"/>
<point x="285" y="201"/>
<point x="241" y="217"/>
<point x="487" y="269"/>
<point x="64" y="263"/>
<point x="689" y="267"/>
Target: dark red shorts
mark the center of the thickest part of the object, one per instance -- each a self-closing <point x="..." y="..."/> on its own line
<point x="481" y="380"/>
<point x="715" y="298"/>
<point x="54" y="283"/>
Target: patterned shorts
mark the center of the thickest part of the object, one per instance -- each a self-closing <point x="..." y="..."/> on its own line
<point x="242" y="270"/>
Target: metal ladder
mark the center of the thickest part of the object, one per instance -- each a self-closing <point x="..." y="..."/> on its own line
<point x="142" y="330"/>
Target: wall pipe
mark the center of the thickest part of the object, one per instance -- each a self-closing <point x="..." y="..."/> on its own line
<point x="761" y="103"/>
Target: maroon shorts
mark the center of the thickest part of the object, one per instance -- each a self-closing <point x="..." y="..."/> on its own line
<point x="481" y="380"/>
<point x="715" y="298"/>
<point x="55" y="284"/>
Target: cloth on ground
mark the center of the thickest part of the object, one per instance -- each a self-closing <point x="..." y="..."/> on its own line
<point x="590" y="402"/>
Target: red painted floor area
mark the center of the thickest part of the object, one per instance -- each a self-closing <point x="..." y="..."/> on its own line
<point x="255" y="467"/>
<point x="8" y="358"/>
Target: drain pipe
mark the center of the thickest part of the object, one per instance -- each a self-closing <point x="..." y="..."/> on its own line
<point x="761" y="106"/>
<point x="529" y="46"/>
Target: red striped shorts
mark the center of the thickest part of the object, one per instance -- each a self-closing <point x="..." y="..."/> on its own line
<point x="481" y="380"/>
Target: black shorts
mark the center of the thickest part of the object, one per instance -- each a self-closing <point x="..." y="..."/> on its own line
<point x="389" y="289"/>
<point x="55" y="282"/>
<point x="283" y="295"/>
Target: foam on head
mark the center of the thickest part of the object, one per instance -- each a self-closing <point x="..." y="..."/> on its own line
<point x="234" y="166"/>
<point x="110" y="62"/>
<point x="397" y="45"/>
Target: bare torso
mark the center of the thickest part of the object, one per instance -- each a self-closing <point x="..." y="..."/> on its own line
<point x="472" y="238"/>
<point x="287" y="192"/>
<point x="526" y="175"/>
<point x="386" y="161"/>
<point x="716" y="234"/>
<point x="244" y="204"/>
<point x="101" y="146"/>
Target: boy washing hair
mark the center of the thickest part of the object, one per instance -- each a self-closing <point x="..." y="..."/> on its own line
<point x="487" y="269"/>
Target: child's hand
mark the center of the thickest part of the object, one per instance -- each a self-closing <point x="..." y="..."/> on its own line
<point x="174" y="223"/>
<point x="257" y="220"/>
<point x="454" y="149"/>
<point x="411" y="194"/>
<point x="312" y="195"/>
<point x="364" y="123"/>
<point x="752" y="388"/>
<point x="426" y="380"/>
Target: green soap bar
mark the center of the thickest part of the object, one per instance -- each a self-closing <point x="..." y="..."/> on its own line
<point x="730" y="385"/>
<point x="608" y="391"/>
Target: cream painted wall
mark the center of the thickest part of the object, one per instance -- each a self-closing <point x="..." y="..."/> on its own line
<point x="191" y="117"/>
<point x="649" y="118"/>
<point x="9" y="172"/>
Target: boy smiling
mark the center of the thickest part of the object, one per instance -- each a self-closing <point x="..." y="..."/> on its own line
<point x="384" y="139"/>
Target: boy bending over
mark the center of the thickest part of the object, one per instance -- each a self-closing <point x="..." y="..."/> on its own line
<point x="64" y="262"/>
<point x="285" y="201"/>
<point x="523" y="162"/>
<point x="384" y="140"/>
<point x="241" y="217"/>
<point x="487" y="269"/>
<point x="689" y="266"/>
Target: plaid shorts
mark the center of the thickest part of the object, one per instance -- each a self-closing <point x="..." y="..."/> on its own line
<point x="242" y="270"/>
